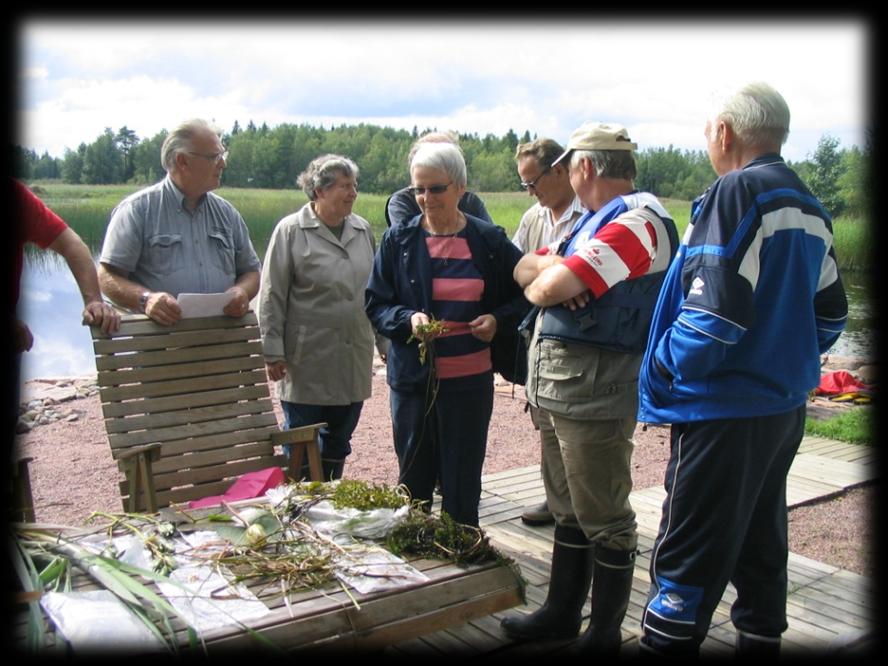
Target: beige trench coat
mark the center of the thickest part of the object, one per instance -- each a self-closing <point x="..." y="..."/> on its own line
<point x="311" y="309"/>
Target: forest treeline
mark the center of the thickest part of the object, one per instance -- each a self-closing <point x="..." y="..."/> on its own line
<point x="266" y="157"/>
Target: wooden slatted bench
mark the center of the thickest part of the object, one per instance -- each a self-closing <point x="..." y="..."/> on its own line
<point x="187" y="409"/>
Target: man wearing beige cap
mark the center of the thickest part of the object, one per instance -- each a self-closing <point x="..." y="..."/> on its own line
<point x="596" y="290"/>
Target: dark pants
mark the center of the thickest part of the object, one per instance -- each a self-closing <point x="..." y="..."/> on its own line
<point x="724" y="520"/>
<point x="447" y="443"/>
<point x="335" y="438"/>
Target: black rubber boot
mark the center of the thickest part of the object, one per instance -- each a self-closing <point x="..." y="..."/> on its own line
<point x="561" y="614"/>
<point x="752" y="645"/>
<point x="332" y="469"/>
<point x="611" y="587"/>
<point x="538" y="515"/>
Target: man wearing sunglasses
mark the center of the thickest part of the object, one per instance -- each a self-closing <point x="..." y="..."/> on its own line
<point x="178" y="237"/>
<point x="553" y="215"/>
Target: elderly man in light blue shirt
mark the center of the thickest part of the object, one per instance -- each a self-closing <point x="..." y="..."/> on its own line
<point x="178" y="237"/>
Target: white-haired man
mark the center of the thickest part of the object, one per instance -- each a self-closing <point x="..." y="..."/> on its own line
<point x="178" y="237"/>
<point x="752" y="300"/>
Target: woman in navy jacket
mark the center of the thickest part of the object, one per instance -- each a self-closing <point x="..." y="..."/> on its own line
<point x="446" y="266"/>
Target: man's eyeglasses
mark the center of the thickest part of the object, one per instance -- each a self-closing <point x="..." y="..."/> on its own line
<point x="533" y="182"/>
<point x="434" y="189"/>
<point x="215" y="157"/>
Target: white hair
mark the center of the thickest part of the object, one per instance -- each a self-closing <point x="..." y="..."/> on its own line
<point x="179" y="140"/>
<point x="757" y="113"/>
<point x="432" y="137"/>
<point x="445" y="157"/>
<point x="607" y="163"/>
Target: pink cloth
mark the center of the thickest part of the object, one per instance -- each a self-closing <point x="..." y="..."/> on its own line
<point x="251" y="484"/>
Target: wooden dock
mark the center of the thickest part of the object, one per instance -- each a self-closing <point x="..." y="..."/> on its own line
<point x="828" y="608"/>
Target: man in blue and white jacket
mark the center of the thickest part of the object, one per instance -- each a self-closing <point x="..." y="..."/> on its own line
<point x="752" y="300"/>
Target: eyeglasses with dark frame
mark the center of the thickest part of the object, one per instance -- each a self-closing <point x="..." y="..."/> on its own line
<point x="534" y="182"/>
<point x="432" y="189"/>
<point x="215" y="157"/>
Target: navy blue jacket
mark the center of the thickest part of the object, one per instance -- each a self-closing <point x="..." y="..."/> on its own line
<point x="401" y="207"/>
<point x="752" y="299"/>
<point x="401" y="284"/>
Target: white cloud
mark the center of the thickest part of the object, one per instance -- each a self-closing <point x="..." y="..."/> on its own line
<point x="56" y="357"/>
<point x="483" y="77"/>
<point x="36" y="295"/>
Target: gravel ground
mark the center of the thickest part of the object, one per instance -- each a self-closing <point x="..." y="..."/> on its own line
<point x="72" y="472"/>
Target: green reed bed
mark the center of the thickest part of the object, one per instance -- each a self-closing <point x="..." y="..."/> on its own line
<point x="87" y="209"/>
<point x="854" y="242"/>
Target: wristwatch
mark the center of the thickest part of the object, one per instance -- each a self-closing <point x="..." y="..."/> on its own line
<point x="143" y="300"/>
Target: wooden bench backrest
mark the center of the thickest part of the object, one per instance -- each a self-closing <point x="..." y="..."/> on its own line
<point x="199" y="389"/>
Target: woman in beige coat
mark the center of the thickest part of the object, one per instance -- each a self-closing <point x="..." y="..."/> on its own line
<point x="317" y="340"/>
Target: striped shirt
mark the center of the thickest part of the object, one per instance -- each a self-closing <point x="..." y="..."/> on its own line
<point x="613" y="244"/>
<point x="457" y="288"/>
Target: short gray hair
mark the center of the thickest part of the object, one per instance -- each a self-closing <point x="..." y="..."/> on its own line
<point x="322" y="171"/>
<point x="757" y="113"/>
<point x="446" y="157"/>
<point x="608" y="163"/>
<point x="179" y="140"/>
<point x="432" y="137"/>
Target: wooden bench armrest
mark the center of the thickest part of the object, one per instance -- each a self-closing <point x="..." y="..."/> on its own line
<point x="153" y="451"/>
<point x="137" y="468"/>
<point x="305" y="433"/>
<point x="303" y="438"/>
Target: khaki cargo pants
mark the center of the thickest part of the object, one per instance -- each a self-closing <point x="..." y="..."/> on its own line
<point x="588" y="477"/>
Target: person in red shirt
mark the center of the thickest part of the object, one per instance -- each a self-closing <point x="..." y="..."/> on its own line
<point x="36" y="223"/>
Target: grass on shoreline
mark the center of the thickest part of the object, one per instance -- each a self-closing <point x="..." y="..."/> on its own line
<point x="854" y="426"/>
<point x="86" y="208"/>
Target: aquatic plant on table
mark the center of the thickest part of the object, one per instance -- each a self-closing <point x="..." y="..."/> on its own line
<point x="274" y="544"/>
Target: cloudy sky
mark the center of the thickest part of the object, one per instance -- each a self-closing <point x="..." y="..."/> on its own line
<point x="78" y="77"/>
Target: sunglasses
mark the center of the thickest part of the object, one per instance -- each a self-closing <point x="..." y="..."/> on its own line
<point x="533" y="182"/>
<point x="434" y="189"/>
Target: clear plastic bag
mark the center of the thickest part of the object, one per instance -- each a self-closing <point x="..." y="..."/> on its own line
<point x="372" y="524"/>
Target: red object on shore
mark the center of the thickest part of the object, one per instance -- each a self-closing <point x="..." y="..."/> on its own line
<point x="840" y="382"/>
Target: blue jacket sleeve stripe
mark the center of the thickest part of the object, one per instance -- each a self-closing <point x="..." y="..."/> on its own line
<point x="787" y="192"/>
<point x="698" y="250"/>
<point x="711" y="325"/>
<point x="766" y="201"/>
<point x="744" y="229"/>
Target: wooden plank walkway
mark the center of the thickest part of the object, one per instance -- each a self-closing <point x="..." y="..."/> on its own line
<point x="826" y="606"/>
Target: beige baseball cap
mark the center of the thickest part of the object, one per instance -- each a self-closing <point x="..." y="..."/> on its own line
<point x="598" y="136"/>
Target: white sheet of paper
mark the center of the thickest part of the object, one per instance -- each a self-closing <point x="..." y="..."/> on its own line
<point x="203" y="305"/>
<point x="97" y="621"/>
<point x="376" y="569"/>
<point x="210" y="601"/>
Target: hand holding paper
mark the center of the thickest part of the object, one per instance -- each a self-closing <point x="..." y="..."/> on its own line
<point x="239" y="303"/>
<point x="204" y="305"/>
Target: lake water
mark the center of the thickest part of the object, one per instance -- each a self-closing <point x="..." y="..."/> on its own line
<point x="50" y="304"/>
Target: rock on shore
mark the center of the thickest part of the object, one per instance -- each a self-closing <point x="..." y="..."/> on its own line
<point x="43" y="400"/>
